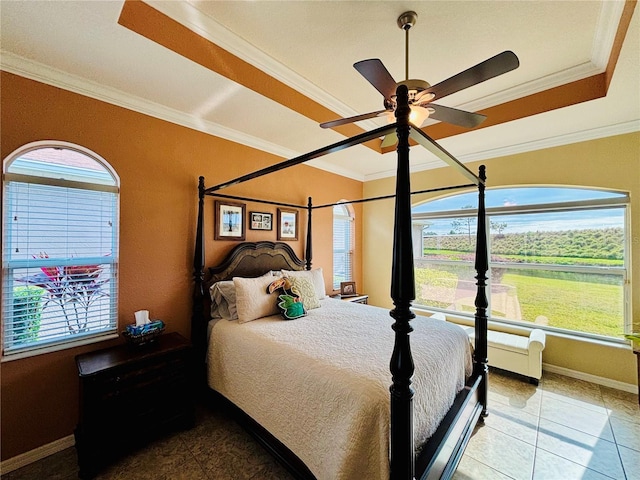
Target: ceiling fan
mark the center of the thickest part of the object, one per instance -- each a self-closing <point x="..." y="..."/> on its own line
<point x="421" y="93"/>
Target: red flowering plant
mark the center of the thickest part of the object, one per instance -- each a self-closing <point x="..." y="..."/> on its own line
<point x="72" y="288"/>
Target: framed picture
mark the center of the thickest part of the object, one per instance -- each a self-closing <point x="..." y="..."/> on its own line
<point x="287" y="224"/>
<point x="260" y="221"/>
<point x="348" y="289"/>
<point x="229" y="220"/>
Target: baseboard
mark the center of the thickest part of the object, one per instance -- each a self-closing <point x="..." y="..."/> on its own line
<point x="606" y="382"/>
<point x="36" y="454"/>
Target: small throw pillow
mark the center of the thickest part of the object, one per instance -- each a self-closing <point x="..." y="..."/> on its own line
<point x="316" y="277"/>
<point x="289" y="302"/>
<point x="303" y="287"/>
<point x="252" y="299"/>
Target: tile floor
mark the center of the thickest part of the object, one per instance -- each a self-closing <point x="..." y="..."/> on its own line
<point x="561" y="430"/>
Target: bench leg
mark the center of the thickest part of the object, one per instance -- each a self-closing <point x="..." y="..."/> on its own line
<point x="533" y="381"/>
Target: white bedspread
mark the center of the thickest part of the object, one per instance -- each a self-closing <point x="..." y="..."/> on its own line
<point x="320" y="384"/>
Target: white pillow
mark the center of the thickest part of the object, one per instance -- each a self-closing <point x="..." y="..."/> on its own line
<point x="303" y="287"/>
<point x="314" y="275"/>
<point x="252" y="299"/>
<point x="223" y="300"/>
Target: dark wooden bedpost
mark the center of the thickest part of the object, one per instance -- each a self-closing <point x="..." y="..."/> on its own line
<point x="309" y="250"/>
<point x="402" y="293"/>
<point x="482" y="266"/>
<point x="198" y="322"/>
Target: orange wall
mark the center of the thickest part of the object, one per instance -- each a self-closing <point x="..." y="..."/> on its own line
<point x="159" y="164"/>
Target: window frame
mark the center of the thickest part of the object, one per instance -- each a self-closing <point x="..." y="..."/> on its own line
<point x="8" y="266"/>
<point x="623" y="201"/>
<point x="348" y="217"/>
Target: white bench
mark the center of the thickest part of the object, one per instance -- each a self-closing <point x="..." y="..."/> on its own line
<point x="515" y="353"/>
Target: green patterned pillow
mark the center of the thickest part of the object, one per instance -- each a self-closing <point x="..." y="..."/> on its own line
<point x="303" y="287"/>
<point x="289" y="302"/>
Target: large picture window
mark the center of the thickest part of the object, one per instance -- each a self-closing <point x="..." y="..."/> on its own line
<point x="59" y="248"/>
<point x="557" y="258"/>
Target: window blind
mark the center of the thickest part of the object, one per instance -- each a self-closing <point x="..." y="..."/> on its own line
<point x="60" y="254"/>
<point x="342" y="246"/>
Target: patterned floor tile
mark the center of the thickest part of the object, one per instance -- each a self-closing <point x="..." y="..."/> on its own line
<point x="630" y="462"/>
<point x="489" y="446"/>
<point x="553" y="467"/>
<point x="587" y="450"/>
<point x="513" y="421"/>
<point x="579" y="418"/>
<point x="472" y="469"/>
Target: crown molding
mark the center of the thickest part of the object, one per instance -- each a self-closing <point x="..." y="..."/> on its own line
<point x="42" y="73"/>
<point x="39" y="72"/>
<point x="549" y="142"/>
<point x="605" y="34"/>
<point x="572" y="74"/>
<point x="188" y="14"/>
<point x="556" y="141"/>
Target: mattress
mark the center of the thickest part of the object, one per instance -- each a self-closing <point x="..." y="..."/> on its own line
<point x="320" y="383"/>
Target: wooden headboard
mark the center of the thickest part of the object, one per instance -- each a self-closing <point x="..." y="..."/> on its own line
<point x="252" y="259"/>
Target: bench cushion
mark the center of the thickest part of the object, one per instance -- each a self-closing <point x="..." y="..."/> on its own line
<point x="516" y="353"/>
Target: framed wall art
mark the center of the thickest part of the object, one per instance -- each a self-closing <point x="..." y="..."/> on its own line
<point x="287" y="224"/>
<point x="260" y="221"/>
<point x="229" y="220"/>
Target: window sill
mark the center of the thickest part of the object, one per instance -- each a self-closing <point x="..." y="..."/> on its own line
<point x="57" y="347"/>
<point x="519" y="329"/>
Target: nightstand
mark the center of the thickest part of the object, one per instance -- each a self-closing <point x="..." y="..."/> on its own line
<point x="359" y="298"/>
<point x="131" y="394"/>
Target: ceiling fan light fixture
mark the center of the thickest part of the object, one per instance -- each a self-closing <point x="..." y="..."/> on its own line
<point x="418" y="115"/>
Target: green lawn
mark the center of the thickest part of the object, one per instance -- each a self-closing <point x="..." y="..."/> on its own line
<point x="579" y="302"/>
<point x="574" y="305"/>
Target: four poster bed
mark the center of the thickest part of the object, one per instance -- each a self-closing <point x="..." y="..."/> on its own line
<point x="315" y="390"/>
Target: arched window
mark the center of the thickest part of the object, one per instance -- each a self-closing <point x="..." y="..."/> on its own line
<point x="59" y="248"/>
<point x="343" y="242"/>
<point x="558" y="258"/>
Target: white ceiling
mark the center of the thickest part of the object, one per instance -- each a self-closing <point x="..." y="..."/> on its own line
<point x="311" y="46"/>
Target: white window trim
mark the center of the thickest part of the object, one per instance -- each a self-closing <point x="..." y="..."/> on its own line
<point x="622" y="201"/>
<point x="24" y="149"/>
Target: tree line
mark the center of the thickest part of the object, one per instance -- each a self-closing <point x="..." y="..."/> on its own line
<point x="604" y="243"/>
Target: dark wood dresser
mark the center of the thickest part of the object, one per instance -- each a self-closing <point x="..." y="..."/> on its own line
<point x="130" y="395"/>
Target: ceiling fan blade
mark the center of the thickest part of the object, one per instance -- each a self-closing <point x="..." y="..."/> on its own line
<point x="357" y="118"/>
<point x="377" y="75"/>
<point x="502" y="63"/>
<point x="455" y="116"/>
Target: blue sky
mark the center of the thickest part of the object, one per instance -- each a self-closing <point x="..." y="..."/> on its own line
<point x="574" y="220"/>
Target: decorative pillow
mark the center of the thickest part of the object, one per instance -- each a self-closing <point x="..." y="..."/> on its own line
<point x="223" y="300"/>
<point x="314" y="275"/>
<point x="303" y="287"/>
<point x="289" y="302"/>
<point x="252" y="299"/>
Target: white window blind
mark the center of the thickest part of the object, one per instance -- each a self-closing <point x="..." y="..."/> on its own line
<point x="342" y="245"/>
<point x="60" y="253"/>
